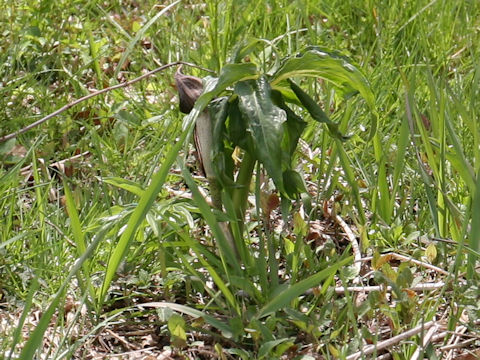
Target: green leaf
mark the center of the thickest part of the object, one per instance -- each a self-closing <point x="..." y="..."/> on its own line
<point x="350" y="176"/>
<point x="264" y="123"/>
<point x="176" y="326"/>
<point x="295" y="290"/>
<point x="217" y="324"/>
<point x="237" y="128"/>
<point x="246" y="47"/>
<point x="229" y="75"/>
<point x="120" y="133"/>
<point x="328" y="65"/>
<point x="242" y="354"/>
<point x="13" y="172"/>
<point x="268" y="346"/>
<point x="322" y="63"/>
<point x="294" y="124"/>
<point x="7" y="146"/>
<point x="300" y="227"/>
<point x="124" y="184"/>
<point x="293" y="183"/>
<point x="295" y="127"/>
<point x="316" y="111"/>
<point x="221" y="157"/>
<point x="405" y="276"/>
<point x="79" y="237"/>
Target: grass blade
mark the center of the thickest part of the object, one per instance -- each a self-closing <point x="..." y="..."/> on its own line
<point x="74" y="220"/>
<point x="138" y="36"/>
<point x="137" y="217"/>
<point x="474" y="240"/>
<point x="125" y="184"/>
<point x="224" y="328"/>
<point x="35" y="339"/>
<point x="78" y="236"/>
<point x="27" y="306"/>
<point x="349" y="174"/>
<point x="293" y="291"/>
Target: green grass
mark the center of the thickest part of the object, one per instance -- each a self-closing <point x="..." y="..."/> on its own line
<point x="89" y="243"/>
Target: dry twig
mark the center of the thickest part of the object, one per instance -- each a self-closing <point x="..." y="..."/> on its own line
<point x="417" y="288"/>
<point x="412" y="260"/>
<point x="355" y="248"/>
<point x="425" y="341"/>
<point x="67" y="239"/>
<point x="370" y="349"/>
<point x="57" y="164"/>
<point x="129" y="354"/>
<point x="459" y="345"/>
<point x="121" y="339"/>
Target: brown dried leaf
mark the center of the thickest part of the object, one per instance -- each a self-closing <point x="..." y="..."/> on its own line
<point x="269" y="202"/>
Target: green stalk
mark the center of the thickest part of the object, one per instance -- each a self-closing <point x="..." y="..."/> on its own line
<point x="240" y="193"/>
<point x="262" y="268"/>
<point x="189" y="89"/>
<point x="203" y="137"/>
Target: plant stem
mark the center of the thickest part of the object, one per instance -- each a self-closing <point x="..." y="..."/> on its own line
<point x="240" y="193"/>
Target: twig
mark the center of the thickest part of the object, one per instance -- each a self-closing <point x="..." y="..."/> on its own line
<point x="355" y="248"/>
<point x="72" y="158"/>
<point x="187" y="195"/>
<point x="370" y="349"/>
<point x="356" y="289"/>
<point x="425" y="341"/>
<point x="459" y="345"/>
<point x="210" y="353"/>
<point x="454" y="340"/>
<point x="453" y="344"/>
<point x="386" y="356"/>
<point x="89" y="96"/>
<point x="133" y="352"/>
<point x="417" y="262"/>
<point x="444" y="334"/>
<point x="68" y="240"/>
<point x="127" y="344"/>
<point x="417" y="288"/>
<point x="58" y="164"/>
<point x="448" y="241"/>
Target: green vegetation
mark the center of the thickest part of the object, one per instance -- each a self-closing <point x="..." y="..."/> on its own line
<point x="109" y="244"/>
